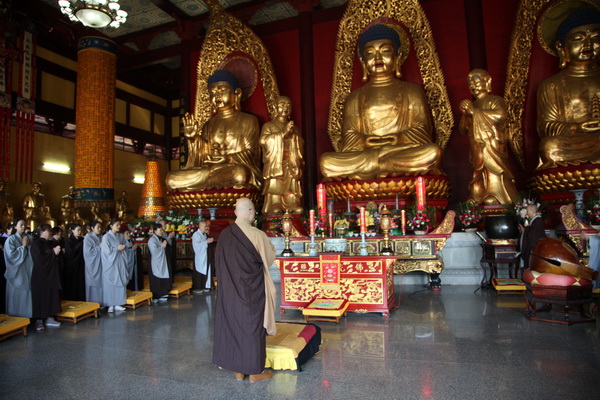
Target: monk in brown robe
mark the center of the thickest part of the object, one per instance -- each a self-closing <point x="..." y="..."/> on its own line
<point x="245" y="311"/>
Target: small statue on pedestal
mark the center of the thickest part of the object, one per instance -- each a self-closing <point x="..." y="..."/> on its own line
<point x="6" y="208"/>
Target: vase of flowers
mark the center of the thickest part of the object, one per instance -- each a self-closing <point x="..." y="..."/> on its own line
<point x="469" y="216"/>
<point x="419" y="221"/>
<point x="592" y="213"/>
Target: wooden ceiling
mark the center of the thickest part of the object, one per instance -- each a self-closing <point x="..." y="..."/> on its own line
<point x="150" y="42"/>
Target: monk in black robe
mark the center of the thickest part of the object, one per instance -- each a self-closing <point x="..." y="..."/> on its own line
<point x="57" y="239"/>
<point x="74" y="265"/>
<point x="531" y="233"/>
<point x="2" y="278"/>
<point x="45" y="279"/>
<point x="246" y="297"/>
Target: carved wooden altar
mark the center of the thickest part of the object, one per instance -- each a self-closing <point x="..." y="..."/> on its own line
<point x="366" y="282"/>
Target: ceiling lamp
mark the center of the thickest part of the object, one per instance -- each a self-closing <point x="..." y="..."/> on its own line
<point x="94" y="13"/>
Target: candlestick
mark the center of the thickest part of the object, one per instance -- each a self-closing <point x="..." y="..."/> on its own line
<point x="348" y="204"/>
<point x="330" y="217"/>
<point x="363" y="222"/>
<point x="321" y="199"/>
<point x="403" y="221"/>
<point x="396" y="201"/>
<point x="311" y="213"/>
<point x="420" y="192"/>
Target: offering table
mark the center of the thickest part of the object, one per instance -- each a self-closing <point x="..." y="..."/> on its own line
<point x="366" y="282"/>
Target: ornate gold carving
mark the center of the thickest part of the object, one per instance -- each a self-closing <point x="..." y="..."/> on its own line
<point x="564" y="179"/>
<point x="574" y="227"/>
<point x="447" y="225"/>
<point x="409" y="12"/>
<point x="211" y="198"/>
<point x="429" y="266"/>
<point x="226" y="34"/>
<point x="378" y="189"/>
<point x="355" y="290"/>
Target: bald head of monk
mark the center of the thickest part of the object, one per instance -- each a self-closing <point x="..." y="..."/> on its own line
<point x="244" y="210"/>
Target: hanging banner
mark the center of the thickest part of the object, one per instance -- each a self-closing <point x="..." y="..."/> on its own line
<point x="25" y="116"/>
<point x="331" y="266"/>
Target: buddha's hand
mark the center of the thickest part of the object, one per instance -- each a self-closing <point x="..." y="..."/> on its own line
<point x="591" y="126"/>
<point x="466" y="106"/>
<point x="289" y="128"/>
<point x="191" y="127"/>
<point x="214" y="159"/>
<point x="378" y="141"/>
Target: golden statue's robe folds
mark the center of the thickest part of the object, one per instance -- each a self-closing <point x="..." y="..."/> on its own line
<point x="492" y="181"/>
<point x="230" y="156"/>
<point x="563" y="101"/>
<point x="372" y="112"/>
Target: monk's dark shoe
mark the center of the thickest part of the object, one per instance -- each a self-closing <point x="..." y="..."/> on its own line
<point x="239" y="376"/>
<point x="261" y="377"/>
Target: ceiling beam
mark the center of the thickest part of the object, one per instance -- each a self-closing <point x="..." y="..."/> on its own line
<point x="150" y="57"/>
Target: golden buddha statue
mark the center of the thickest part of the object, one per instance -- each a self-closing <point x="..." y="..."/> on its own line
<point x="6" y="208"/>
<point x="228" y="150"/>
<point x="281" y="144"/>
<point x="484" y="120"/>
<point x="123" y="206"/>
<point x="35" y="209"/>
<point x="568" y="103"/>
<point x="67" y="206"/>
<point x="386" y="124"/>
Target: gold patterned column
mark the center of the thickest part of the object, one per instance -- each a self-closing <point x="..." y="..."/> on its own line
<point x="95" y="121"/>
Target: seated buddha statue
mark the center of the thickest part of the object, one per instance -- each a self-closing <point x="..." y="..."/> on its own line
<point x="568" y="103"/>
<point x="386" y="123"/>
<point x="228" y="148"/>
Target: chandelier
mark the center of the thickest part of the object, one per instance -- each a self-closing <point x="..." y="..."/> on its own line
<point x="94" y="13"/>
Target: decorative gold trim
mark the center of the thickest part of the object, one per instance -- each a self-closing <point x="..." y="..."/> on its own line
<point x="574" y="228"/>
<point x="447" y="225"/>
<point x="357" y="16"/>
<point x="227" y="34"/>
<point x="428" y="266"/>
<point x="518" y="71"/>
<point x="210" y="198"/>
<point x="387" y="188"/>
<point x="561" y="179"/>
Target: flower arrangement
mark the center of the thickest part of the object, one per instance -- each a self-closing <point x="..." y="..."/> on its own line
<point x="141" y="230"/>
<point x="191" y="229"/>
<point x="593" y="212"/>
<point x="418" y="220"/>
<point x="521" y="208"/>
<point x="469" y="216"/>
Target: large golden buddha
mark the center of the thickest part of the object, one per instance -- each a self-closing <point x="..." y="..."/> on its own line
<point x="568" y="103"/>
<point x="226" y="151"/>
<point x="386" y="126"/>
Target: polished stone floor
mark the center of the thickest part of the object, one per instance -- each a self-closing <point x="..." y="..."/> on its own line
<point x="453" y="344"/>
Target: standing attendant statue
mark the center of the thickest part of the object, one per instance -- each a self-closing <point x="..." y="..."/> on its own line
<point x="568" y="103"/>
<point x="281" y="144"/>
<point x="122" y="206"/>
<point x="67" y="207"/>
<point x="484" y="120"/>
<point x="6" y="208"/>
<point x="35" y="209"/>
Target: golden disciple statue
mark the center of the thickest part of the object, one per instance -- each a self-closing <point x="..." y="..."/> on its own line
<point x="281" y="144"/>
<point x="568" y="103"/>
<point x="386" y="126"/>
<point x="6" y="208"/>
<point x="123" y="206"/>
<point x="484" y="120"/>
<point x="67" y="207"/>
<point x="35" y="209"/>
<point x="228" y="151"/>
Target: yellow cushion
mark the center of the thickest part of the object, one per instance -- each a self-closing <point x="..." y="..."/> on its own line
<point x="74" y="309"/>
<point x="183" y="279"/>
<point x="9" y="324"/>
<point x="180" y="287"/>
<point x="326" y="308"/>
<point x="508" y="285"/>
<point x="134" y="298"/>
<point x="284" y="347"/>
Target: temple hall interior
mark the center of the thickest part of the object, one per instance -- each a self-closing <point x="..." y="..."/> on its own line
<point x="426" y="171"/>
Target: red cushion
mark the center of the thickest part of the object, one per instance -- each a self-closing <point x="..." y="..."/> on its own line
<point x="546" y="279"/>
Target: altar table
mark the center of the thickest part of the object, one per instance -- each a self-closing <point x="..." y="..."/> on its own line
<point x="366" y="282"/>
